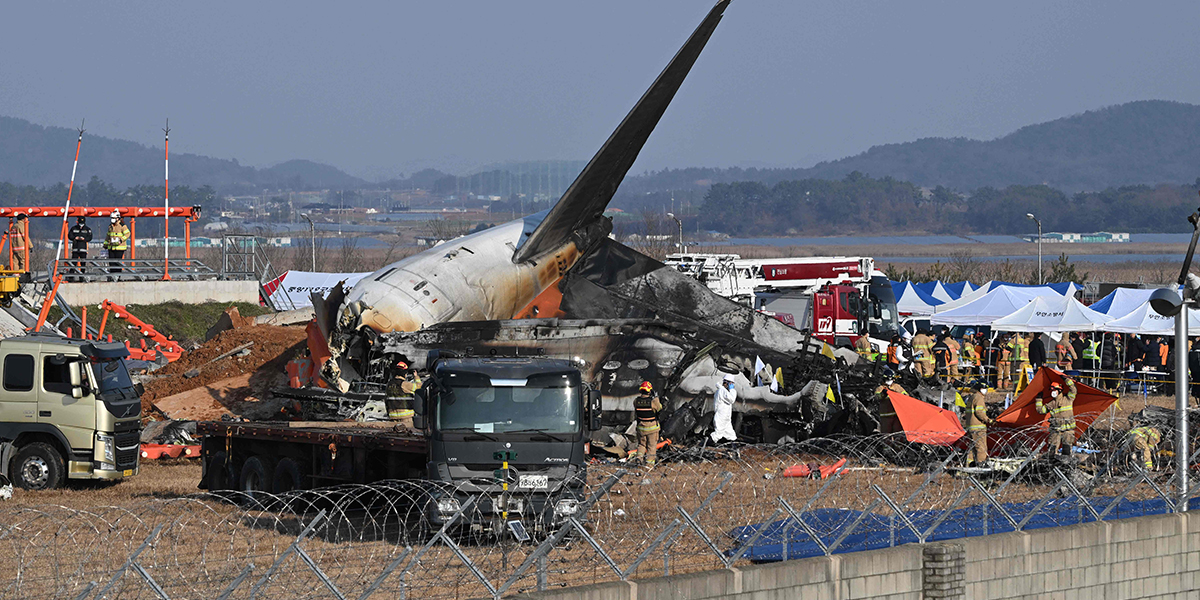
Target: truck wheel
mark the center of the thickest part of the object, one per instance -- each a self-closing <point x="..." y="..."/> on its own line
<point x="288" y="476"/>
<point x="254" y="476"/>
<point x="221" y="474"/>
<point x="37" y="466"/>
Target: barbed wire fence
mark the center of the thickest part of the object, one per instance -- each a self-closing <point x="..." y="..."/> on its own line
<point x="700" y="509"/>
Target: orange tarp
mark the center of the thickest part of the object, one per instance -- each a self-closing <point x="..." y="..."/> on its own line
<point x="1023" y="414"/>
<point x="923" y="422"/>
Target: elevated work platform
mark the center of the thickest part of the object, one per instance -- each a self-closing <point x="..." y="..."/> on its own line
<point x="157" y="292"/>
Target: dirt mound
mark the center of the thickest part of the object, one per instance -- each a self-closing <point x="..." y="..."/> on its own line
<point x="273" y="347"/>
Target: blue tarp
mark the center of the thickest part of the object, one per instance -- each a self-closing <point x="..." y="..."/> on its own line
<point x="878" y="530"/>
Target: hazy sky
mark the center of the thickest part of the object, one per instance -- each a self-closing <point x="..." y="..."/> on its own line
<point x="377" y="87"/>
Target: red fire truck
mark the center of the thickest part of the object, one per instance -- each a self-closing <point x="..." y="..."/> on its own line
<point x="838" y="298"/>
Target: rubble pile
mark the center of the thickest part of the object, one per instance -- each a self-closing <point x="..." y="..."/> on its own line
<point x="250" y="372"/>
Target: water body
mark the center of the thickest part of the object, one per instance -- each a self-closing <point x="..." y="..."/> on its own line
<point x="925" y="240"/>
<point x="1096" y="258"/>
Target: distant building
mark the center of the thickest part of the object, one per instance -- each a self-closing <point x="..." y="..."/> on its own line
<point x="1055" y="237"/>
<point x="428" y="241"/>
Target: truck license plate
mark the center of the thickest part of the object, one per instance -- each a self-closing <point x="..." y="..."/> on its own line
<point x="128" y="473"/>
<point x="534" y="482"/>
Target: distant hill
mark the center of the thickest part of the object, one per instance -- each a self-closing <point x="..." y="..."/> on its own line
<point x="1144" y="142"/>
<point x="1138" y="143"/>
<point x="35" y="155"/>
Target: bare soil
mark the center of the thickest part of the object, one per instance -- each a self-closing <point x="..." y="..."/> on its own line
<point x="273" y="348"/>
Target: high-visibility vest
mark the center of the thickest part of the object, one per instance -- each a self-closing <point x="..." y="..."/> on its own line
<point x="1089" y="351"/>
<point x="924" y="345"/>
<point x="644" y="412"/>
<point x="117" y="237"/>
<point x="969" y="356"/>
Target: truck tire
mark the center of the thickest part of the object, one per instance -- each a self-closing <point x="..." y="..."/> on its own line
<point x="37" y="466"/>
<point x="288" y="476"/>
<point x="256" y="474"/>
<point x="221" y="474"/>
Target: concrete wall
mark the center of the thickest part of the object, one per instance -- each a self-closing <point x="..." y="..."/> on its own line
<point x="1145" y="557"/>
<point x="156" y="292"/>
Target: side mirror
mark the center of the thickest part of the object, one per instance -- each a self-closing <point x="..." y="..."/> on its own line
<point x="594" y="408"/>
<point x="78" y="387"/>
<point x="418" y="402"/>
<point x="139" y="389"/>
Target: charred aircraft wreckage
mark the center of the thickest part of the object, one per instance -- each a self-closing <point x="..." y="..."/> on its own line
<point x="555" y="284"/>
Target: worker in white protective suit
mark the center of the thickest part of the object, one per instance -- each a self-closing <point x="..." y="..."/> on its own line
<point x="723" y="400"/>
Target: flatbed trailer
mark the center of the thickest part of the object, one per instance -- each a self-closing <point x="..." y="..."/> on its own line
<point x="280" y="456"/>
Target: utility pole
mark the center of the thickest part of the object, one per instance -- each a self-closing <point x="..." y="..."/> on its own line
<point x="312" y="235"/>
<point x="1041" y="277"/>
<point x="680" y="223"/>
<point x="1168" y="302"/>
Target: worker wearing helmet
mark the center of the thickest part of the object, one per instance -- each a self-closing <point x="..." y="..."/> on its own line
<point x="18" y="236"/>
<point x="977" y="424"/>
<point x="1145" y="441"/>
<point x="888" y="422"/>
<point x="399" y="401"/>
<point x="723" y="400"/>
<point x="79" y="236"/>
<point x="645" y="410"/>
<point x="1060" y="407"/>
<point x="116" y="241"/>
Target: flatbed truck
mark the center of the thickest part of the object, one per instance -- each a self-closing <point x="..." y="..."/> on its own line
<point x="511" y="433"/>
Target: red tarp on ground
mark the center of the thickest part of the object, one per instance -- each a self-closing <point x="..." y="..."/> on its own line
<point x="923" y="422"/>
<point x="1023" y="414"/>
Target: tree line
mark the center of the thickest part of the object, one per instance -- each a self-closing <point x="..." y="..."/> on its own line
<point x="859" y="204"/>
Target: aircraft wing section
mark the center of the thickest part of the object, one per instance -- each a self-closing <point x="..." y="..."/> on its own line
<point x="584" y="202"/>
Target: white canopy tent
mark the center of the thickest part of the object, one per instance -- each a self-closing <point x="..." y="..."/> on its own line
<point x="1144" y="320"/>
<point x="998" y="303"/>
<point x="910" y="300"/>
<point x="1028" y="292"/>
<point x="1122" y="301"/>
<point x="1046" y="314"/>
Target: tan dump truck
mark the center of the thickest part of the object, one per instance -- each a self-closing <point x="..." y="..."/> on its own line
<point x="68" y="410"/>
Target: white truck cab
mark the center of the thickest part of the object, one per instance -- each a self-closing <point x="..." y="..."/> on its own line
<point x="68" y="410"/>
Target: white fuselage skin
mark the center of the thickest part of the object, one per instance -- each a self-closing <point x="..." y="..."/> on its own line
<point x="471" y="278"/>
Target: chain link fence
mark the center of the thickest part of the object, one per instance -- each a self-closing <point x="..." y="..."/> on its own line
<point x="700" y="509"/>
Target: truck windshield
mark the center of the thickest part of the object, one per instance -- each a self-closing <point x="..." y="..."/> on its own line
<point x="885" y="320"/>
<point x="547" y="404"/>
<point x="113" y="375"/>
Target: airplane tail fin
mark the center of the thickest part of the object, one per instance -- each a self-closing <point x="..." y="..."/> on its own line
<point x="584" y="202"/>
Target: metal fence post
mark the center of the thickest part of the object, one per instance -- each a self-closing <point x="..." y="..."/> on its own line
<point x="742" y="548"/>
<point x="128" y="563"/>
<point x="546" y="546"/>
<point x="646" y="553"/>
<point x="805" y="526"/>
<point x="286" y="553"/>
<point x="1081" y="497"/>
<point x="861" y="515"/>
<point x="237" y="581"/>
<point x="995" y="503"/>
<point x="542" y="567"/>
<point x="899" y="513"/>
<point x="469" y="504"/>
